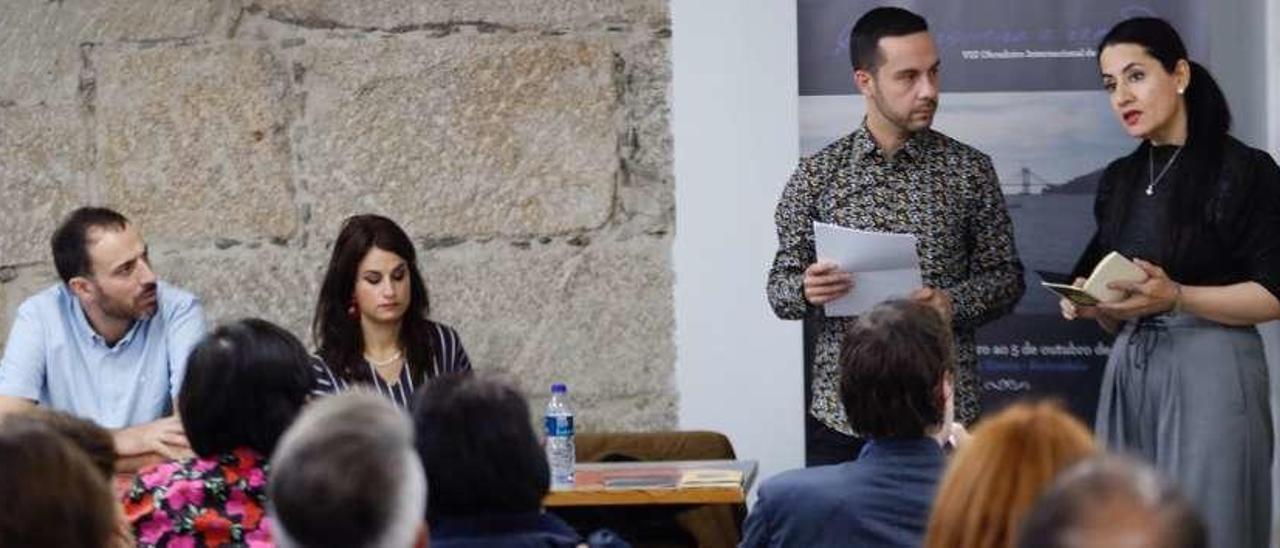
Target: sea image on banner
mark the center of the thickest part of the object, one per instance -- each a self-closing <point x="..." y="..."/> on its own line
<point x="1020" y="83"/>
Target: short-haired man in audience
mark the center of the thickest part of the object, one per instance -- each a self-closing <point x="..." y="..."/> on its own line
<point x="1112" y="501"/>
<point x="109" y="343"/>
<point x="346" y="474"/>
<point x="487" y="470"/>
<point x="896" y="369"/>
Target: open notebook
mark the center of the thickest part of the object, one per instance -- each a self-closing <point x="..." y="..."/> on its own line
<point x="1112" y="268"/>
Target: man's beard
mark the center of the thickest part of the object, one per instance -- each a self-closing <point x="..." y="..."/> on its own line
<point x="904" y="121"/>
<point x="121" y="309"/>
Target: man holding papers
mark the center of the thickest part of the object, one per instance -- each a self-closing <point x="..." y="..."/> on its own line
<point x="894" y="175"/>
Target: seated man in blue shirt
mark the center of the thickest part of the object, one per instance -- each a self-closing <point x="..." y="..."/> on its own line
<point x="896" y="367"/>
<point x="109" y="343"/>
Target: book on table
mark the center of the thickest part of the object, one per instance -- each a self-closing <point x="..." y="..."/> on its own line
<point x="1093" y="291"/>
<point x="657" y="478"/>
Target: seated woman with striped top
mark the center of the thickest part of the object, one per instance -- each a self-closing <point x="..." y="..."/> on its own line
<point x="371" y="325"/>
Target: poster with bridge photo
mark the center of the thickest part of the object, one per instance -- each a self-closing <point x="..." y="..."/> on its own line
<point x="1020" y="83"/>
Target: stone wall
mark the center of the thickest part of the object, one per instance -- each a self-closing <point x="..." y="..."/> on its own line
<point x="524" y="144"/>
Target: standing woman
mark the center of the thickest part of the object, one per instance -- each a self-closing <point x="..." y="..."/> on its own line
<point x="371" y="325"/>
<point x="1186" y="383"/>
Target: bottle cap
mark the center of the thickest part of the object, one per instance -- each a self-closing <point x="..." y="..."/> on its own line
<point x="558" y="388"/>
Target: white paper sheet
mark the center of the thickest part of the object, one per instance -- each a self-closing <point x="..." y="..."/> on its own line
<point x="884" y="265"/>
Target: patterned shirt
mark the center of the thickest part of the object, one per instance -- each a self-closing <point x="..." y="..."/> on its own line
<point x="214" y="501"/>
<point x="944" y="192"/>
<point x="447" y="356"/>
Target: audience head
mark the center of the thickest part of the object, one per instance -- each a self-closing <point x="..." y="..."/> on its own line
<point x="1113" y="501"/>
<point x="94" y="441"/>
<point x="102" y="259"/>
<point x="346" y="475"/>
<point x="245" y="383"/>
<point x="994" y="479"/>
<point x="372" y="278"/>
<point x="477" y="443"/>
<point x="52" y="494"/>
<point x="896" y="364"/>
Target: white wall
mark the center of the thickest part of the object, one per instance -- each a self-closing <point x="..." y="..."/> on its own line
<point x="738" y="368"/>
<point x="1237" y="59"/>
<point x="1244" y="57"/>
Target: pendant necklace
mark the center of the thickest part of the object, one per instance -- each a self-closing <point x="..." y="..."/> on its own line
<point x="1152" y="177"/>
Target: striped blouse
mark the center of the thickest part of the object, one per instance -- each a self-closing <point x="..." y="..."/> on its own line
<point x="448" y="357"/>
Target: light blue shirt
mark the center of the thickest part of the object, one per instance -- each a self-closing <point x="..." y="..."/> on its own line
<point x="55" y="358"/>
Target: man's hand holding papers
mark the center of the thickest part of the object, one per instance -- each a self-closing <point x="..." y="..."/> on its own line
<point x="886" y="266"/>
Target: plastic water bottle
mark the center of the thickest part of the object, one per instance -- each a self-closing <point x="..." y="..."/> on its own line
<point x="559" y="426"/>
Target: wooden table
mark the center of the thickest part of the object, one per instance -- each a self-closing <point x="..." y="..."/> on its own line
<point x="593" y="493"/>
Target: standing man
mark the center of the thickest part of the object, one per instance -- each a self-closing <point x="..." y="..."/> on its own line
<point x="894" y="174"/>
<point x="109" y="343"/>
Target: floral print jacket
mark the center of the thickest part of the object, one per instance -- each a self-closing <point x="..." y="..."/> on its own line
<point x="215" y="501"/>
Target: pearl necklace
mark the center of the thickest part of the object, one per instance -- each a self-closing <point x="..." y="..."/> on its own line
<point x="384" y="363"/>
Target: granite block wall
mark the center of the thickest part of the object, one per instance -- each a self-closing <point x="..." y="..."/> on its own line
<point x="523" y="144"/>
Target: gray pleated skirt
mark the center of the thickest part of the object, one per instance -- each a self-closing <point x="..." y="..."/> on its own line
<point x="1191" y="397"/>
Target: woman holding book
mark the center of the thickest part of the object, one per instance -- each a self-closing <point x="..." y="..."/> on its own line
<point x="371" y="323"/>
<point x="1186" y="382"/>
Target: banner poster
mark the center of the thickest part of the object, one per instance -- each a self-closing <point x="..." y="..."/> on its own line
<point x="1020" y="82"/>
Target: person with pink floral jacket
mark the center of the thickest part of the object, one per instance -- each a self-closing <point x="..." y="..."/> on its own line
<point x="245" y="383"/>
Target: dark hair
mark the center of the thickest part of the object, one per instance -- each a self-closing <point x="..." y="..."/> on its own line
<point x="346" y="474"/>
<point x="1208" y="121"/>
<point x="864" y="39"/>
<point x="892" y="365"/>
<point x="338" y="338"/>
<point x="1083" y="507"/>
<point x="245" y="383"/>
<point x="478" y="447"/>
<point x="70" y="240"/>
<point x="95" y="441"/>
<point x="53" y="495"/>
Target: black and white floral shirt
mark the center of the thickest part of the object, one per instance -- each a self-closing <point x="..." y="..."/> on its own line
<point x="944" y="192"/>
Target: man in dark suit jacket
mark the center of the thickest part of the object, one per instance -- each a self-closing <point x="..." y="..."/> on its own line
<point x="896" y="367"/>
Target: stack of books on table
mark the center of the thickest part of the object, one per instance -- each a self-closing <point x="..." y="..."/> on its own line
<point x="657" y="478"/>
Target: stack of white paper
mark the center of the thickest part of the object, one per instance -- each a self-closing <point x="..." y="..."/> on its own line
<point x="884" y="265"/>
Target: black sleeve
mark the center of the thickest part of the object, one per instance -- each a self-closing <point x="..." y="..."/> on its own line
<point x="1098" y="245"/>
<point x="323" y="381"/>
<point x="1257" y="207"/>
<point x="450" y="355"/>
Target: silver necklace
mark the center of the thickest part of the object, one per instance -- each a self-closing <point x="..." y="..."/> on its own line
<point x="1153" y="178"/>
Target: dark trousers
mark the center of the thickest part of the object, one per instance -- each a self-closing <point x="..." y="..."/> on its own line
<point x="822" y="445"/>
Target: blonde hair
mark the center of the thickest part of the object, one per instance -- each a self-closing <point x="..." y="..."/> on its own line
<point x="996" y="477"/>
